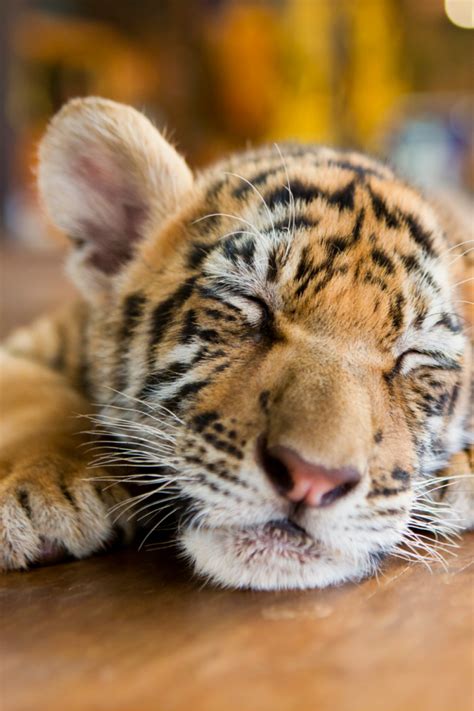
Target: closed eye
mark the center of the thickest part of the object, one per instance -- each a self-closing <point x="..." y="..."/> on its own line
<point x="265" y="314"/>
<point x="412" y="359"/>
<point x="254" y="309"/>
<point x="259" y="316"/>
<point x="264" y="329"/>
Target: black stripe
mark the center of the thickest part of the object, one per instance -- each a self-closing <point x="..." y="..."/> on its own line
<point x="419" y="235"/>
<point x="235" y="248"/>
<point x="369" y="278"/>
<point x="343" y="198"/>
<point x="450" y="322"/>
<point x="173" y="403"/>
<point x="256" y="180"/>
<point x="400" y="474"/>
<point x="190" y="327"/>
<point x="296" y="222"/>
<point x="132" y="312"/>
<point x="216" y="187"/>
<point x="210" y="335"/>
<point x="204" y="419"/>
<point x="336" y="245"/>
<point x="432" y="404"/>
<point x="24" y="501"/>
<point x="68" y="495"/>
<point x="307" y="271"/>
<point x="207" y="293"/>
<point x="361" y="170"/>
<point x="163" y="377"/>
<point x="386" y="491"/>
<point x="247" y="251"/>
<point x="272" y="268"/>
<point x="396" y="311"/>
<point x="198" y="253"/>
<point x="456" y="391"/>
<point x="164" y="313"/>
<point x="230" y="248"/>
<point x="304" y="265"/>
<point x="356" y="232"/>
<point x="281" y="194"/>
<point x="219" y="315"/>
<point x="227" y="476"/>
<point x="382" y="259"/>
<point x="222" y="446"/>
<point x="411" y="263"/>
<point x="382" y="211"/>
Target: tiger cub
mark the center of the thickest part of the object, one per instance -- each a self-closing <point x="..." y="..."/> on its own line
<point x="272" y="352"/>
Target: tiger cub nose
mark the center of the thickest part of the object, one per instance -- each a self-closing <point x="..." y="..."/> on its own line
<point x="301" y="481"/>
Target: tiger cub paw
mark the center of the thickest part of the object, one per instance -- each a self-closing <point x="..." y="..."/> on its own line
<point x="51" y="509"/>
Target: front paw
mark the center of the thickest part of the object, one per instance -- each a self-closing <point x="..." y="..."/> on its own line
<point x="50" y="509"/>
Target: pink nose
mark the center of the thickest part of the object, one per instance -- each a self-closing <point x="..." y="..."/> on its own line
<point x="302" y="481"/>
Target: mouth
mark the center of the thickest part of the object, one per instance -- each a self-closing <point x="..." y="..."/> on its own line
<point x="281" y="538"/>
<point x="277" y="555"/>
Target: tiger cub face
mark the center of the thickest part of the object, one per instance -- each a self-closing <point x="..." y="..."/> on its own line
<point x="275" y="342"/>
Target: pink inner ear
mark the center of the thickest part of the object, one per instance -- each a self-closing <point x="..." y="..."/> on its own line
<point x="118" y="224"/>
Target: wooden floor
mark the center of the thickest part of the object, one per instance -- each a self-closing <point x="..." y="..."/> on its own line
<point x="133" y="631"/>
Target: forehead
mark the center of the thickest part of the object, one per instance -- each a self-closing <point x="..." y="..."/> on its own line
<point x="301" y="226"/>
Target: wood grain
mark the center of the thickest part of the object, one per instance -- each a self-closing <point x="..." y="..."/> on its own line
<point x="132" y="631"/>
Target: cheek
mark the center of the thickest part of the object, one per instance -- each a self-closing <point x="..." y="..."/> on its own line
<point x="393" y="440"/>
<point x="431" y="403"/>
<point x="394" y="463"/>
<point x="224" y="427"/>
<point x="236" y="395"/>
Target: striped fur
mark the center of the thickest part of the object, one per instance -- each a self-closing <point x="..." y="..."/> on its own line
<point x="303" y="293"/>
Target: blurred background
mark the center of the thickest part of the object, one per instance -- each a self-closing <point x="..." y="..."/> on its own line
<point x="394" y="77"/>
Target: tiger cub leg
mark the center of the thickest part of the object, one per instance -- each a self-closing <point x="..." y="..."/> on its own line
<point x="49" y="506"/>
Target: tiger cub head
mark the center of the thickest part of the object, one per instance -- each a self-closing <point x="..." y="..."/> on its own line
<point x="275" y="343"/>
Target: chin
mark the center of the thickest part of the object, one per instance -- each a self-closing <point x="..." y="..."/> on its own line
<point x="273" y="556"/>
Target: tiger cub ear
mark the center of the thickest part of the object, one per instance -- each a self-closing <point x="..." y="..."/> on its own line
<point x="107" y="178"/>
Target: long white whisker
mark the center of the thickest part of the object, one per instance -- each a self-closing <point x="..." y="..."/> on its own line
<point x="456" y="246"/>
<point x="269" y="212"/>
<point x="152" y="407"/>
<point x="233" y="217"/>
<point x="170" y="513"/>
<point x="292" y="215"/>
<point x="459" y="256"/>
<point x="460" y="283"/>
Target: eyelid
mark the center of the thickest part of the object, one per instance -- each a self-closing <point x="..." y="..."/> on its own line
<point x="435" y="359"/>
<point x="253" y="308"/>
<point x="263" y="306"/>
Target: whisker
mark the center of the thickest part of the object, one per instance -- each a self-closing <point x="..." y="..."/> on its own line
<point x="152" y="530"/>
<point x="269" y="213"/>
<point x="460" y="283"/>
<point x="153" y="406"/>
<point x="459" y="256"/>
<point x="456" y="246"/>
<point x="292" y="213"/>
<point x="233" y="217"/>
